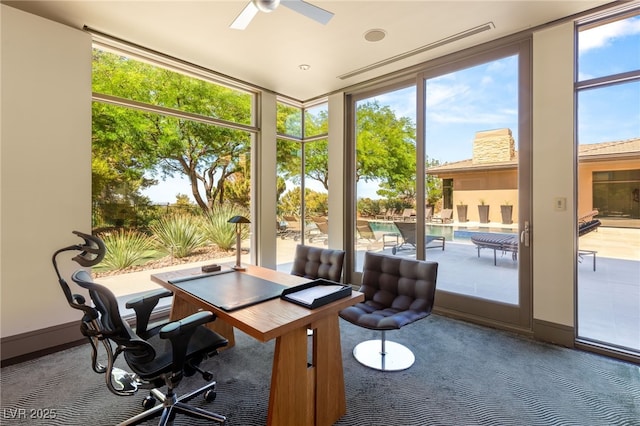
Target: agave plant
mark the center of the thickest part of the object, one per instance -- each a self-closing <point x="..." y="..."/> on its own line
<point x="179" y="234"/>
<point x="126" y="248"/>
<point x="217" y="228"/>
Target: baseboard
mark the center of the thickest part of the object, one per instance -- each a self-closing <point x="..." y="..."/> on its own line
<point x="557" y="334"/>
<point x="485" y="322"/>
<point x="34" y="344"/>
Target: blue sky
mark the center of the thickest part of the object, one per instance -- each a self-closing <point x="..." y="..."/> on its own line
<point x="484" y="97"/>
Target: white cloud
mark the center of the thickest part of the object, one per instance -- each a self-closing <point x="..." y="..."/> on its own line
<point x="487" y="80"/>
<point x="603" y="35"/>
<point x="439" y="94"/>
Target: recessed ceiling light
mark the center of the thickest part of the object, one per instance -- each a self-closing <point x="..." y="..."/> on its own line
<point x="375" y="35"/>
<point x="304" y="67"/>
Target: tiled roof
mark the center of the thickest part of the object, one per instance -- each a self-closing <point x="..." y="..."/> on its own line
<point x="628" y="146"/>
<point x="605" y="149"/>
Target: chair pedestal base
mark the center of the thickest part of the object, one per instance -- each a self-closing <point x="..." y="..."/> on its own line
<point x="384" y="355"/>
<point x="165" y="408"/>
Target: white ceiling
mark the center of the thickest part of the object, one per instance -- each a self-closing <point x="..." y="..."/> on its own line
<point x="268" y="53"/>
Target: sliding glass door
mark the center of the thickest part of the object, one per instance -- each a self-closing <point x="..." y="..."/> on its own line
<point x="445" y="161"/>
<point x="477" y="184"/>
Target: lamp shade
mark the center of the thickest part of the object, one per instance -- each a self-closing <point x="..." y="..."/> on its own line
<point x="239" y="219"/>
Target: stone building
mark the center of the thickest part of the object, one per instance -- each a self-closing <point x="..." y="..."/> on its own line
<point x="608" y="179"/>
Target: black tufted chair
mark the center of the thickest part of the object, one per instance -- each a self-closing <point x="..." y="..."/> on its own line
<point x="159" y="355"/>
<point x="397" y="292"/>
<point x="314" y="262"/>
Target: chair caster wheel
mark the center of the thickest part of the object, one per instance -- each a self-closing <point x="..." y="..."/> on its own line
<point x="210" y="395"/>
<point x="207" y="376"/>
<point x="148" y="402"/>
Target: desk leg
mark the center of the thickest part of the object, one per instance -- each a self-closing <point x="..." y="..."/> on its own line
<point x="181" y="309"/>
<point x="329" y="375"/>
<point x="290" y="398"/>
<point x="300" y="392"/>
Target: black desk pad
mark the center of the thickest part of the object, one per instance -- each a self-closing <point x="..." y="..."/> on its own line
<point x="230" y="291"/>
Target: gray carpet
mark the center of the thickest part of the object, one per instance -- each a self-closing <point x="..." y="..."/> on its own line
<point x="463" y="375"/>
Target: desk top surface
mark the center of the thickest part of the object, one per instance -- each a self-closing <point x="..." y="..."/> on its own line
<point x="266" y="320"/>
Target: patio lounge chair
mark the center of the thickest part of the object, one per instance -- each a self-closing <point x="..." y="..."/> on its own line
<point x="408" y="234"/>
<point x="293" y="228"/>
<point x="496" y="242"/>
<point x="409" y="214"/>
<point x="587" y="217"/>
<point x="428" y="214"/>
<point x="364" y="230"/>
<point x="585" y="227"/>
<point x="385" y="214"/>
<point x="321" y="232"/>
<point x="445" y="216"/>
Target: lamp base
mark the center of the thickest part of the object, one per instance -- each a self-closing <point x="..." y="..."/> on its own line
<point x="239" y="268"/>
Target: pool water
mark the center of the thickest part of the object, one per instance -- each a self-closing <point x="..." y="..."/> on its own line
<point x="450" y="233"/>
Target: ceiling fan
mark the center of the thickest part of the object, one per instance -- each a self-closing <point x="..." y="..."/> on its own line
<point x="254" y="6"/>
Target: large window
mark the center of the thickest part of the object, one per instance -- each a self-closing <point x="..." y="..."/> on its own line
<point x="171" y="162"/>
<point x="384" y="169"/>
<point x="303" y="168"/>
<point x="608" y="182"/>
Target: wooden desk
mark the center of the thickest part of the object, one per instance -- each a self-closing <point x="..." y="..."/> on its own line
<point x="301" y="394"/>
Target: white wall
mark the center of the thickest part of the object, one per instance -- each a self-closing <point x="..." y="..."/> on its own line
<point x="45" y="145"/>
<point x="553" y="175"/>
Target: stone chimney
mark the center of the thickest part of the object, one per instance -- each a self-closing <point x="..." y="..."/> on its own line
<point x="493" y="146"/>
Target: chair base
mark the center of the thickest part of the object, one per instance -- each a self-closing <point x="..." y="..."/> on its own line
<point x="123" y="381"/>
<point x="384" y="356"/>
<point x="167" y="409"/>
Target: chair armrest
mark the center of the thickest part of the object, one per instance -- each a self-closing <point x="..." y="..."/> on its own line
<point x="181" y="327"/>
<point x="144" y="305"/>
<point x="180" y="333"/>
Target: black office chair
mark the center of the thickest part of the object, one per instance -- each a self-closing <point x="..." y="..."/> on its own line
<point x="397" y="292"/>
<point x="158" y="356"/>
<point x="314" y="262"/>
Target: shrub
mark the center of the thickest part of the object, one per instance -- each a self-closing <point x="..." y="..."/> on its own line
<point x="180" y="235"/>
<point x="126" y="248"/>
<point x="217" y="228"/>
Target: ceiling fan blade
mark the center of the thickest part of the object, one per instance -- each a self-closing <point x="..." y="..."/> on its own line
<point x="243" y="19"/>
<point x="310" y="11"/>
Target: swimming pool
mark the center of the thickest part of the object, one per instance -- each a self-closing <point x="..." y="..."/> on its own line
<point x="450" y="233"/>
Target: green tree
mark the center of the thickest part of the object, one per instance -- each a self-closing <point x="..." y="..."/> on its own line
<point x="433" y="184"/>
<point x="142" y="143"/>
<point x="385" y="150"/>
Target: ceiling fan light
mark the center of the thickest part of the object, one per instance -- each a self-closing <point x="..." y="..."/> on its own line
<point x="266" y="5"/>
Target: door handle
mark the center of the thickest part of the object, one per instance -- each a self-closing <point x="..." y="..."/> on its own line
<point x="524" y="235"/>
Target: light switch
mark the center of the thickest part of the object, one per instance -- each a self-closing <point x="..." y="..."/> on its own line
<point x="560" y="203"/>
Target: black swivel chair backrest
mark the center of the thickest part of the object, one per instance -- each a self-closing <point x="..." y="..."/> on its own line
<point x="111" y="323"/>
<point x="315" y="262"/>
